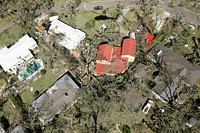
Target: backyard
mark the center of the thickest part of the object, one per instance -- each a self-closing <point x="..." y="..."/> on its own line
<point x="41" y="85"/>
<point x="46" y="80"/>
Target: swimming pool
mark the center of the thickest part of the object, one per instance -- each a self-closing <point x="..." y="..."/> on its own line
<point x="30" y="70"/>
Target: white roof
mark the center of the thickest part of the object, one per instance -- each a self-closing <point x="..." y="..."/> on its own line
<point x="17" y="53"/>
<point x="72" y="36"/>
<point x="53" y="17"/>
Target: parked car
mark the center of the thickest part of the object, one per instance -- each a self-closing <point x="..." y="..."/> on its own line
<point x="147" y="106"/>
<point x="98" y="7"/>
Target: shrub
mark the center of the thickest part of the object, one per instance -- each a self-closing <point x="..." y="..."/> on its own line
<point x="43" y="72"/>
<point x="37" y="93"/>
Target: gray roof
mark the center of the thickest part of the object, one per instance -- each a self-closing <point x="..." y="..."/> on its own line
<point x="166" y="90"/>
<point x="56" y="99"/>
<point x="142" y="71"/>
<point x="133" y="99"/>
<point x="191" y="122"/>
<point x="179" y="68"/>
<point x="176" y="63"/>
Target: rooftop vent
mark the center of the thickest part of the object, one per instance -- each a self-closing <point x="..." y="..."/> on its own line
<point x="159" y="52"/>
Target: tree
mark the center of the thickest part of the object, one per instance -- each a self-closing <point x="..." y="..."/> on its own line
<point x="171" y="4"/>
<point x="13" y="79"/>
<point x="4" y="122"/>
<point x="36" y="93"/>
<point x="24" y="11"/>
<point x="125" y="129"/>
<point x="16" y="100"/>
<point x="2" y="101"/>
<point x="90" y="24"/>
<point x="43" y="72"/>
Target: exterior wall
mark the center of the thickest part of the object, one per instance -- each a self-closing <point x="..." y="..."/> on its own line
<point x="103" y="62"/>
<point x="34" y="47"/>
<point x="130" y="58"/>
<point x="103" y="74"/>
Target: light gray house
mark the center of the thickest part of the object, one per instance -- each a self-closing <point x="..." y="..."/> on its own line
<point x="18" y="129"/>
<point x="191" y="122"/>
<point x="180" y="72"/>
<point x="56" y="99"/>
<point x="145" y="71"/>
<point x="134" y="99"/>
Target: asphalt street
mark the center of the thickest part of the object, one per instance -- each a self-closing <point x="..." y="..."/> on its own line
<point x="185" y="14"/>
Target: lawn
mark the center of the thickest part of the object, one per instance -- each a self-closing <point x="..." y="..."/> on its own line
<point x="2" y="83"/>
<point x="189" y="4"/>
<point x="60" y="1"/>
<point x="11" y="35"/>
<point x="42" y="84"/>
<point x="84" y="17"/>
<point x="116" y="115"/>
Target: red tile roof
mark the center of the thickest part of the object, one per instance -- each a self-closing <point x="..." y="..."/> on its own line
<point x="119" y="65"/>
<point x="113" y="55"/>
<point x="116" y="52"/>
<point x="150" y="38"/>
<point x="129" y="47"/>
<point x="105" y="52"/>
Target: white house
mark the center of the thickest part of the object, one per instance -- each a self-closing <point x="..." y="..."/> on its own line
<point x="19" y="56"/>
<point x="72" y="36"/>
<point x="11" y="58"/>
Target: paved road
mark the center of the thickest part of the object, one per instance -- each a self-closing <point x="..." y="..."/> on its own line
<point x="89" y="6"/>
<point x="186" y="14"/>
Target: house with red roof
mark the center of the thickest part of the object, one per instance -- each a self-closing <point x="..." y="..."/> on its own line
<point x="114" y="60"/>
<point x="129" y="49"/>
<point x="149" y="39"/>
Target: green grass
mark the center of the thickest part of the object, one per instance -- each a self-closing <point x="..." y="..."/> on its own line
<point x="197" y="93"/>
<point x="60" y="1"/>
<point x="2" y="83"/>
<point x="10" y="112"/>
<point x="115" y="116"/>
<point x="11" y="35"/>
<point x="84" y="17"/>
<point x="42" y="84"/>
<point x="5" y="20"/>
<point x="188" y="4"/>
